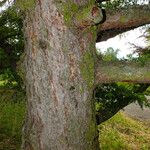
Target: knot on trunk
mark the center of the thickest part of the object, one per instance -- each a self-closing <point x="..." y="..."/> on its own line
<point x="88" y="16"/>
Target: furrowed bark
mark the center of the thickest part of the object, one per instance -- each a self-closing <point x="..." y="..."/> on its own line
<point x="60" y="52"/>
<point x="109" y="72"/>
<point x="60" y="74"/>
<point x="122" y="20"/>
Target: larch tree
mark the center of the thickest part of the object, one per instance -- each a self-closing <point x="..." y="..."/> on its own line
<point x="62" y="68"/>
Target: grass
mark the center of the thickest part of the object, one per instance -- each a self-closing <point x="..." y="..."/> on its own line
<point x="124" y="133"/>
<point x="12" y="112"/>
<point x="118" y="133"/>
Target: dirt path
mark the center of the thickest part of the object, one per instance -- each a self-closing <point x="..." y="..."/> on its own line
<point x="135" y="111"/>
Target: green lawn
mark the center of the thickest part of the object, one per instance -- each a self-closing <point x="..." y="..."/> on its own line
<point x="124" y="133"/>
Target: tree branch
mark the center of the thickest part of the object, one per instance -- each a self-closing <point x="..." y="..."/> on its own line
<point x="109" y="72"/>
<point x="122" y="20"/>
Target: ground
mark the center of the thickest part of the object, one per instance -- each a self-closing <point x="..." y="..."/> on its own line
<point x="118" y="133"/>
<point x="135" y="111"/>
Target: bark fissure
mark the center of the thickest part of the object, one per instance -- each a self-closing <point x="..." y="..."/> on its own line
<point x="59" y="97"/>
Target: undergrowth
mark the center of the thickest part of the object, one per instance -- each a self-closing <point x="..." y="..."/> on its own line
<point x="12" y="112"/>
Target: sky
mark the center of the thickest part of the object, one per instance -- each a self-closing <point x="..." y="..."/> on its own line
<point x="122" y="42"/>
<point x="9" y="2"/>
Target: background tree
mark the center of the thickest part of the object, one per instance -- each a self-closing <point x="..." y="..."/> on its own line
<point x="11" y="45"/>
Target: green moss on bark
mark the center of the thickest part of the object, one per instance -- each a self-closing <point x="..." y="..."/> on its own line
<point x="87" y="69"/>
<point x="92" y="135"/>
<point x="89" y="15"/>
<point x="123" y="19"/>
<point x="69" y="9"/>
<point x="25" y="5"/>
<point x="74" y="14"/>
<point x="88" y="62"/>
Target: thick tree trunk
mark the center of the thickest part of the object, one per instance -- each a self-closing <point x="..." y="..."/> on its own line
<point x="60" y="76"/>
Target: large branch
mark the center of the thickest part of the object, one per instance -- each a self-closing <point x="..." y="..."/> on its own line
<point x="121" y="71"/>
<point x="122" y="20"/>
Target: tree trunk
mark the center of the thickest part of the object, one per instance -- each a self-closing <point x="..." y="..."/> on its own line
<point x="59" y="63"/>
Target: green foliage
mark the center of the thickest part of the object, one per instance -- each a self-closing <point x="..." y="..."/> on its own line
<point x="111" y="98"/>
<point x="11" y="44"/>
<point x="115" y="94"/>
<point x="110" y="55"/>
<point x="113" y="4"/>
<point x="143" y="59"/>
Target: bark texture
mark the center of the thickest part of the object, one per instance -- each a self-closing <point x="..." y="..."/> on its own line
<point x="59" y="63"/>
<point x="60" y="74"/>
